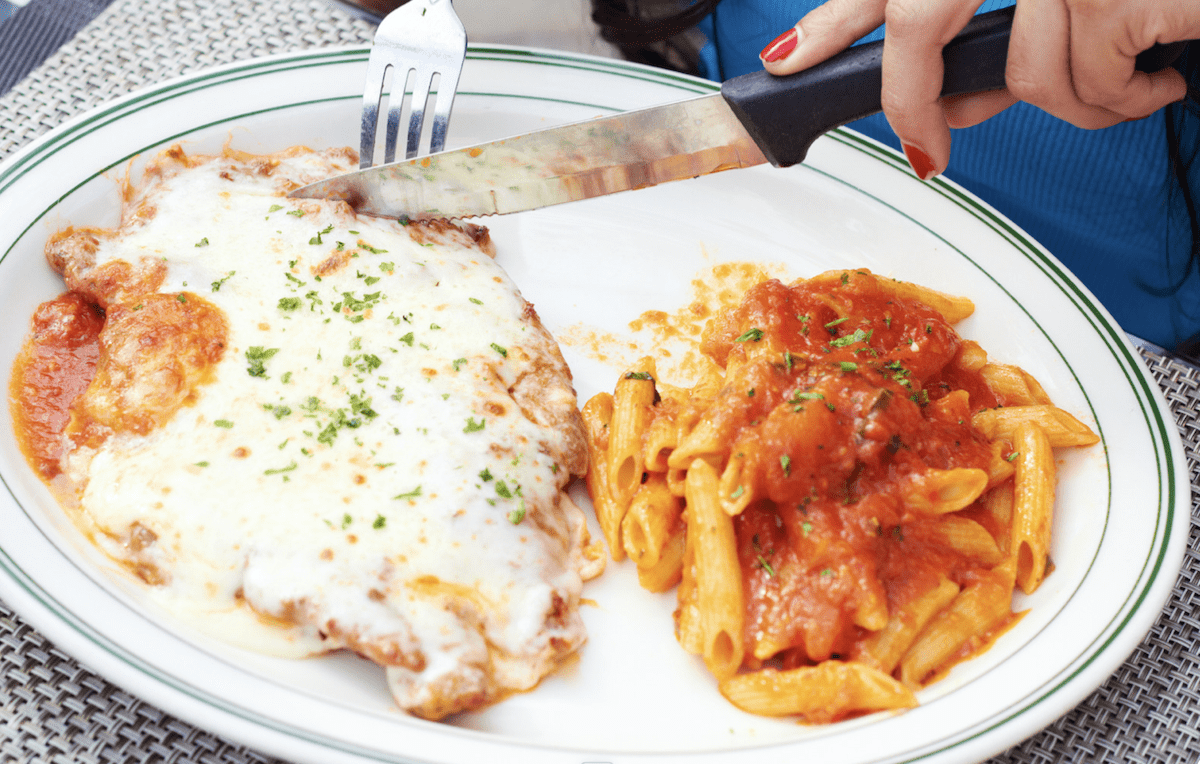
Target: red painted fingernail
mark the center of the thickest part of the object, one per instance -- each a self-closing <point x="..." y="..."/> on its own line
<point x="780" y="46"/>
<point x="921" y="164"/>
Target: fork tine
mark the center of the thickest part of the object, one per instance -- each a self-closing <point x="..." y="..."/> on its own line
<point x="395" y="111"/>
<point x="422" y="82"/>
<point x="372" y="96"/>
<point x="447" y="87"/>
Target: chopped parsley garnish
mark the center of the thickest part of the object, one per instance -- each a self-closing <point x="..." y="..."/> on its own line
<point x="203" y="242"/>
<point x="503" y="490"/>
<point x="279" y="411"/>
<point x="486" y="475"/>
<point x="848" y="365"/>
<point x="407" y="339"/>
<point x="351" y="304"/>
<point x="501" y="350"/>
<point x="643" y="375"/>
<point x="387" y="267"/>
<point x="281" y="470"/>
<point x="289" y="303"/>
<point x="360" y="405"/>
<point x="517" y="515"/>
<point x="751" y="335"/>
<point x="216" y="285"/>
<point x="473" y="426"/>
<point x="858" y="336"/>
<point x="837" y="321"/>
<point x="317" y="239"/>
<point x="380" y="522"/>
<point x="371" y="249"/>
<point x="785" y="461"/>
<point x="762" y="563"/>
<point x="223" y="423"/>
<point x="257" y="356"/>
<point x="414" y="493"/>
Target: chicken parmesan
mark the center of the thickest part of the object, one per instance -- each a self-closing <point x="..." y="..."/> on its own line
<point x="304" y="430"/>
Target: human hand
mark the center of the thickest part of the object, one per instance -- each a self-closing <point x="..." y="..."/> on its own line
<point x="1071" y="58"/>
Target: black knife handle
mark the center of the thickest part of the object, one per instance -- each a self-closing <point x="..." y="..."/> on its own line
<point x="784" y="115"/>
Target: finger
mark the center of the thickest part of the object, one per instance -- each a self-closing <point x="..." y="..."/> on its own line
<point x="971" y="109"/>
<point x="827" y="29"/>
<point x="1039" y="65"/>
<point x="1103" y="52"/>
<point x="912" y="77"/>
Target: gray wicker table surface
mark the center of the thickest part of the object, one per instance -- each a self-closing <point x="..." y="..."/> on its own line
<point x="54" y="710"/>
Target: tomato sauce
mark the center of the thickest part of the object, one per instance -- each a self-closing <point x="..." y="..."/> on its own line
<point x="865" y="397"/>
<point x="56" y="364"/>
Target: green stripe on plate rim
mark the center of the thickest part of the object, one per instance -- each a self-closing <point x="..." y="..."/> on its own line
<point x="1153" y="564"/>
<point x="96" y="119"/>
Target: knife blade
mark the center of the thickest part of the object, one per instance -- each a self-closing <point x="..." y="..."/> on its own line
<point x="754" y="119"/>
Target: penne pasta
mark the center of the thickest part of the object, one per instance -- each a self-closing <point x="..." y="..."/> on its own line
<point x="971" y="356"/>
<point x="936" y="492"/>
<point x="969" y="539"/>
<point x="883" y="649"/>
<point x="651" y="521"/>
<point x="688" y="629"/>
<point x="717" y="575"/>
<point x="1060" y="427"/>
<point x="1014" y="385"/>
<point x="952" y="308"/>
<point x="703" y="441"/>
<point x="998" y="503"/>
<point x="1000" y="469"/>
<point x="662" y="437"/>
<point x="734" y="491"/>
<point x="1033" y="504"/>
<point x="667" y="571"/>
<point x="823" y="692"/>
<point x="597" y="416"/>
<point x="972" y="616"/>
<point x="632" y="401"/>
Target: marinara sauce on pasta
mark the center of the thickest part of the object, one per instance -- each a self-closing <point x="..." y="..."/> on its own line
<point x="847" y="503"/>
<point x="827" y="443"/>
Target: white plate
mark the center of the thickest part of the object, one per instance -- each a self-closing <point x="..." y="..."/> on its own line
<point x="633" y="695"/>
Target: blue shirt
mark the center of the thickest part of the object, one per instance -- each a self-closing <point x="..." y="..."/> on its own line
<point x="1101" y="201"/>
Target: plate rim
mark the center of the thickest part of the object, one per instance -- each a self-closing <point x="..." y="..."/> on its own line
<point x="1149" y="396"/>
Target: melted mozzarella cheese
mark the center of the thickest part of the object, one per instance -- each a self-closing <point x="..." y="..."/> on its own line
<point x="359" y="472"/>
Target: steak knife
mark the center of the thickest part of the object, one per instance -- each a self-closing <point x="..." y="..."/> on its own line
<point x="756" y="118"/>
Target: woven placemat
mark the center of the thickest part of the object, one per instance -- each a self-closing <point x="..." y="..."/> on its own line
<point x="54" y="710"/>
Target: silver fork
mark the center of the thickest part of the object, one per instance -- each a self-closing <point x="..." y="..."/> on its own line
<point x="425" y="38"/>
